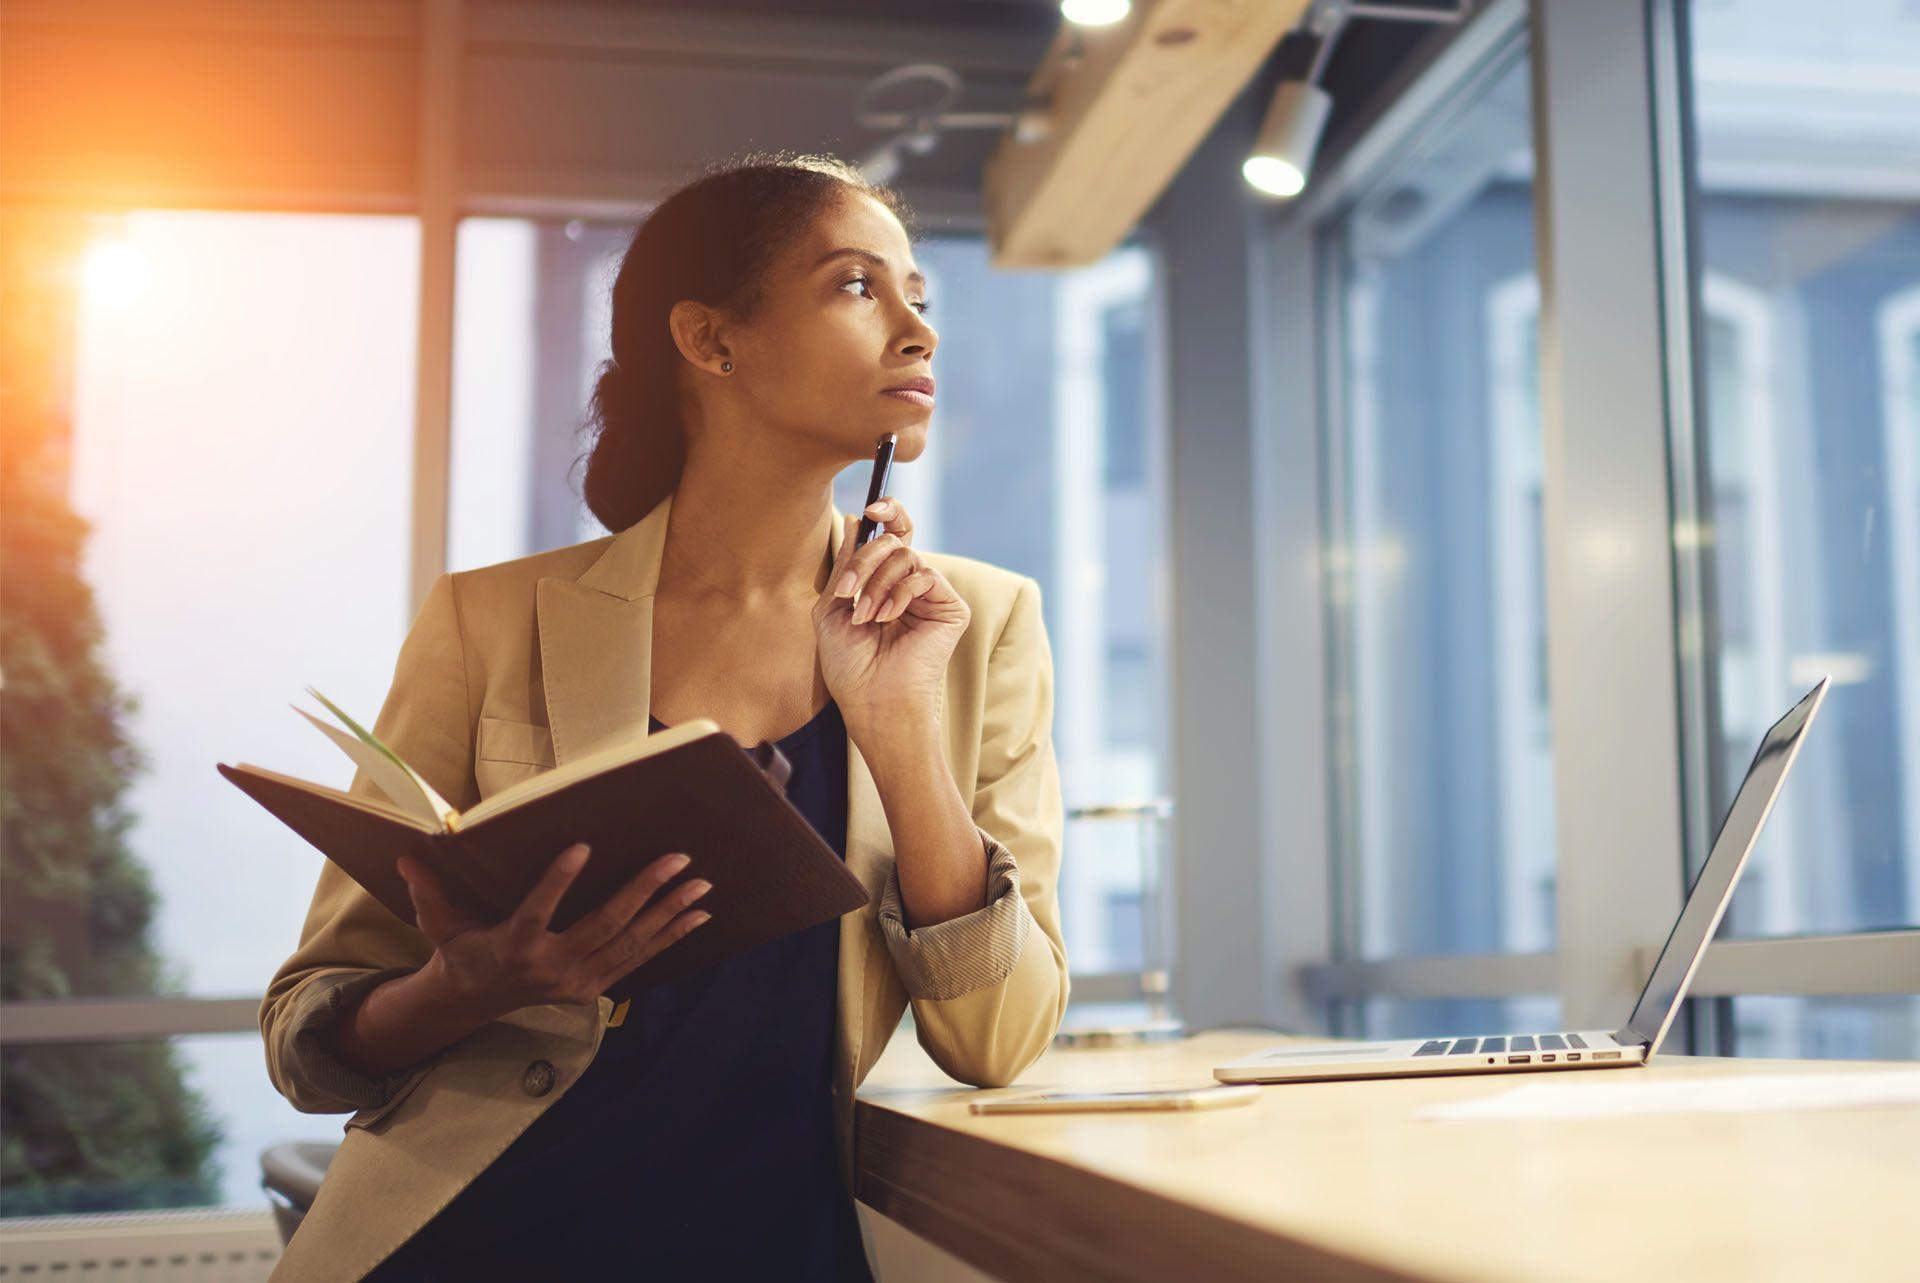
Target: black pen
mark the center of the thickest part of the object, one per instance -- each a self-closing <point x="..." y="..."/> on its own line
<point x="876" y="486"/>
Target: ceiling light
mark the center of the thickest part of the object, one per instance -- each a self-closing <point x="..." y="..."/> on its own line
<point x="1094" y="13"/>
<point x="1282" y="155"/>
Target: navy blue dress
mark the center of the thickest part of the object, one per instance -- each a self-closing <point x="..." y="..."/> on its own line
<point x="699" y="1143"/>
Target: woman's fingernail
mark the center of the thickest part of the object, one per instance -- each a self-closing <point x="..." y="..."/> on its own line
<point x="845" y="586"/>
<point x="877" y="508"/>
<point x="862" y="608"/>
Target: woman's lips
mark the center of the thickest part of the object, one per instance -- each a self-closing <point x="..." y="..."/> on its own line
<point x="907" y="394"/>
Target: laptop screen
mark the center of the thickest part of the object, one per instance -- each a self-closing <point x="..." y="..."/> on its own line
<point x="1707" y="899"/>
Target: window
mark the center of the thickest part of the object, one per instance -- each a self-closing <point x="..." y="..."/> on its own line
<point x="532" y="324"/>
<point x="226" y="401"/>
<point x="160" y="1123"/>
<point x="1443" y="753"/>
<point x="1807" y="210"/>
<point x="1868" y="1027"/>
<point x="241" y="436"/>
<point x="1420" y="1017"/>
<point x="1809" y="252"/>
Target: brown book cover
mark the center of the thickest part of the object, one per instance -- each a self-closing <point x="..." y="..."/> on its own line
<point x="691" y="788"/>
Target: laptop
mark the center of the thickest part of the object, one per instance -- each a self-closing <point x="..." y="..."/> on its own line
<point x="1634" y="1042"/>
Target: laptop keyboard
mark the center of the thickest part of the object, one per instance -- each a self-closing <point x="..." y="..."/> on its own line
<point x="1516" y="1042"/>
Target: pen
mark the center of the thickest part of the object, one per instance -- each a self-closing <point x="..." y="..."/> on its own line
<point x="876" y="486"/>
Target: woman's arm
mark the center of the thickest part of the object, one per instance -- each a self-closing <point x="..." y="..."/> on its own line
<point x="392" y="1027"/>
<point x="989" y="986"/>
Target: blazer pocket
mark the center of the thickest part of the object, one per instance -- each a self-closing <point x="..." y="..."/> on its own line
<point x="506" y="752"/>
<point x="500" y="740"/>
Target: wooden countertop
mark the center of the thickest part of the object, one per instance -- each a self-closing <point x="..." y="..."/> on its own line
<point x="1339" y="1180"/>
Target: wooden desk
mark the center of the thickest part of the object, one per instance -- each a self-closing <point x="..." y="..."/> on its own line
<point x="1340" y="1181"/>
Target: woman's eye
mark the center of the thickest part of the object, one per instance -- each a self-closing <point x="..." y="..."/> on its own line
<point x="923" y="305"/>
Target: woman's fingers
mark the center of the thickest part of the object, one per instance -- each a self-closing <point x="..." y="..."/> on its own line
<point x="881" y="581"/>
<point x="903" y="594"/>
<point x="854" y="564"/>
<point x="596" y="928"/>
<point x="430" y="910"/>
<point x="864" y="562"/>
<point x="892" y="516"/>
<point x="653" y="929"/>
<point x="536" y="910"/>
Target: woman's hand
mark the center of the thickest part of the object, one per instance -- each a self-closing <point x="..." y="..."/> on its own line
<point x="518" y="962"/>
<point x="886" y="625"/>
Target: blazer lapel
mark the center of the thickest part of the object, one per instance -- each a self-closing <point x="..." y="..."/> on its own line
<point x="596" y="644"/>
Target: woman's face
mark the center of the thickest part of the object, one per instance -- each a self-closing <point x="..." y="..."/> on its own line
<point x="836" y="330"/>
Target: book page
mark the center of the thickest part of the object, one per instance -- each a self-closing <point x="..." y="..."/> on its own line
<point x="618" y="753"/>
<point x="396" y="779"/>
<point x="371" y="805"/>
<point x="392" y="780"/>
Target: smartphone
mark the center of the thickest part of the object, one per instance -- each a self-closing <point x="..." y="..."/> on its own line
<point x="1041" y="1102"/>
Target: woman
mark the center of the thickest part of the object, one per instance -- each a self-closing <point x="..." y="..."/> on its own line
<point x="519" y="1113"/>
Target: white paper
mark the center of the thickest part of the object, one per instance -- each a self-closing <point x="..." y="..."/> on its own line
<point x="1597" y="1094"/>
<point x="392" y="780"/>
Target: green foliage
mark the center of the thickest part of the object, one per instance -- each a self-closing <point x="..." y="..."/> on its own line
<point x="92" y="1126"/>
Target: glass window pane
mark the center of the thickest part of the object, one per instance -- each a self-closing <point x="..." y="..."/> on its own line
<point x="1809" y="250"/>
<point x="1872" y="1027"/>
<point x="1446" y="772"/>
<point x="230" y="397"/>
<point x="531" y="328"/>
<point x="120" y="1126"/>
<point x="1453" y="1017"/>
<point x="1047" y="389"/>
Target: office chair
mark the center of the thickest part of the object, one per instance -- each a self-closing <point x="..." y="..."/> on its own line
<point x="291" y="1172"/>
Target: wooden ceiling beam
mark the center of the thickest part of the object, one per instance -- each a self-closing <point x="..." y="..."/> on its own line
<point x="1127" y="106"/>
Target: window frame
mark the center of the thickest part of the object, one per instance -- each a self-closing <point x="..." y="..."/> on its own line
<point x="1629" y="631"/>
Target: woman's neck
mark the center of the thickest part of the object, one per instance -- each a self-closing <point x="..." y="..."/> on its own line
<point x="751" y="530"/>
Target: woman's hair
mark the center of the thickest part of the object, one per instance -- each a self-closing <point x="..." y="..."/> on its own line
<point x="711" y="241"/>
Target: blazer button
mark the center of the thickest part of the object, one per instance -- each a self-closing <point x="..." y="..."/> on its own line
<point x="538" y="1080"/>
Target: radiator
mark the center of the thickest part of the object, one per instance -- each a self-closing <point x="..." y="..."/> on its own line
<point x="189" y="1246"/>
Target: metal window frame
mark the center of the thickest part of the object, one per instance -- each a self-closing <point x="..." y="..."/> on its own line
<point x="1620" y="408"/>
<point x="95" y="1020"/>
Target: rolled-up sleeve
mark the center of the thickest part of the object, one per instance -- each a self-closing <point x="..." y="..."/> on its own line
<point x="954" y="958"/>
<point x="989" y="988"/>
<point x="313" y="1013"/>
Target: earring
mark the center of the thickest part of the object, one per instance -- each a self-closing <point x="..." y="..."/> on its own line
<point x="726" y="366"/>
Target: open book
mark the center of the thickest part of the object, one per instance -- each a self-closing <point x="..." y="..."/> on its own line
<point x="690" y="787"/>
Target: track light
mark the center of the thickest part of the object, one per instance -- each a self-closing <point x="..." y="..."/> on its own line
<point x="1094" y="13"/>
<point x="1282" y="155"/>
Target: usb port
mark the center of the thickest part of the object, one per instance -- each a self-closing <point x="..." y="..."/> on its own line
<point x="1606" y="1055"/>
<point x="1547" y="1059"/>
<point x="1519" y="1060"/>
<point x="1573" y="1055"/>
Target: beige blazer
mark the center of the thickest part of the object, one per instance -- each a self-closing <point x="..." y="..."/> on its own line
<point x="512" y="668"/>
